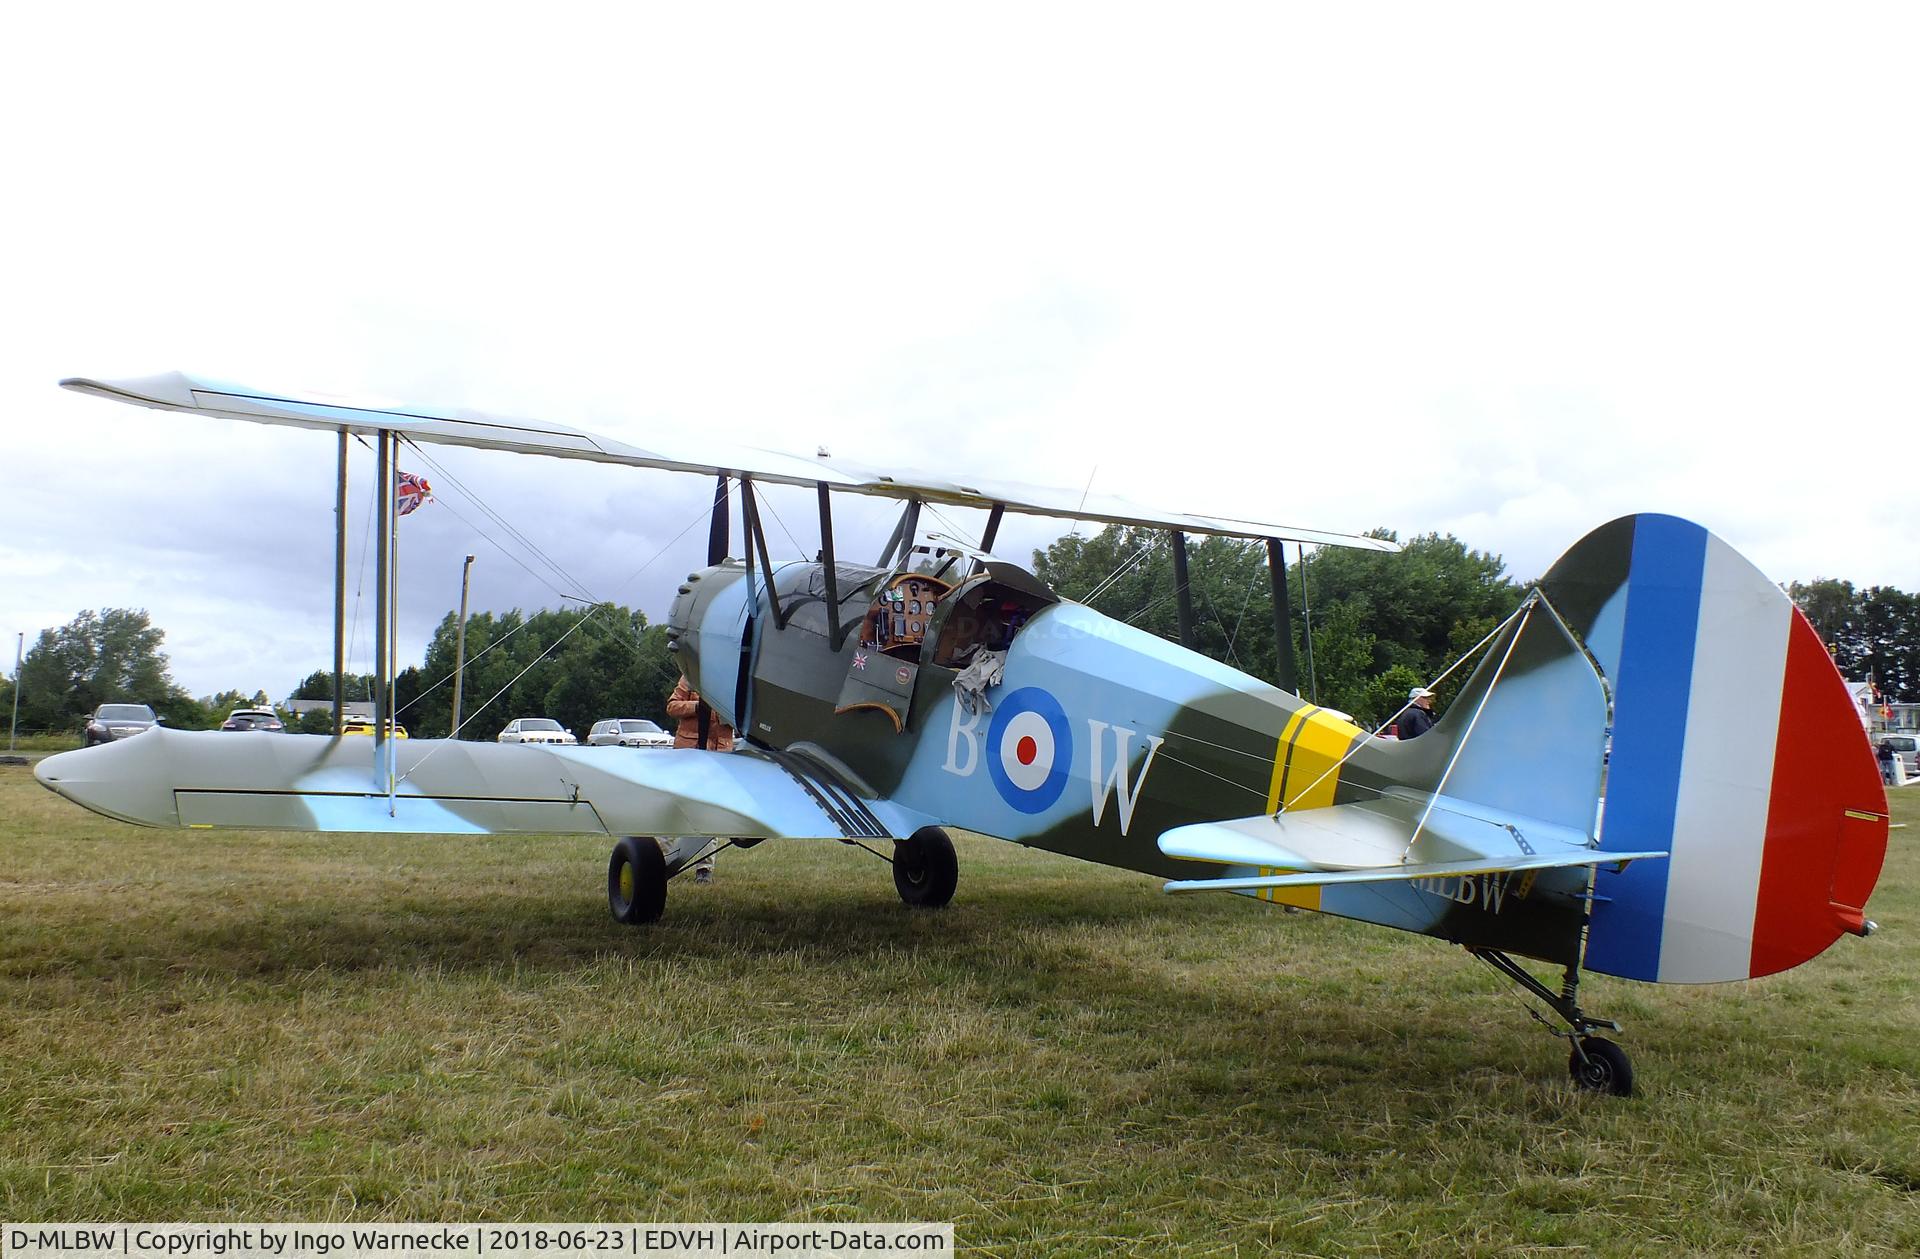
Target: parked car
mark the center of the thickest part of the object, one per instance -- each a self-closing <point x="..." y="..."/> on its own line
<point x="628" y="732"/>
<point x="119" y="721"/>
<point x="253" y="719"/>
<point x="364" y="725"/>
<point x="1906" y="747"/>
<point x="535" y="730"/>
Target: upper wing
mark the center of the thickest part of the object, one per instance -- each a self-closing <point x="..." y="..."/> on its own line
<point x="176" y="392"/>
<point x="1399" y="836"/>
<point x="318" y="783"/>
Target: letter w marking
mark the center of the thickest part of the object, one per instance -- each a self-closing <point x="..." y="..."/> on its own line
<point x="1106" y="783"/>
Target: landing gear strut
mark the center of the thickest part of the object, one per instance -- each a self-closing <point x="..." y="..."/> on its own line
<point x="1596" y="1063"/>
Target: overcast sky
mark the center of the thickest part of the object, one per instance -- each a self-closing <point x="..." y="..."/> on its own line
<point x="1503" y="271"/>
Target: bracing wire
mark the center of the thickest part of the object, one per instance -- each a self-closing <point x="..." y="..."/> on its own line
<point x="1370" y="736"/>
<point x="503" y="550"/>
<point x="454" y="734"/>
<point x="594" y="603"/>
<point x="766" y="501"/>
<point x="1460" y="747"/>
<point x="513" y="532"/>
<point x="1125" y="567"/>
<point x="1246" y="602"/>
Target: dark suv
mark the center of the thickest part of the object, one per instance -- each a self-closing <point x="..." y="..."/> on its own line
<point x="118" y="721"/>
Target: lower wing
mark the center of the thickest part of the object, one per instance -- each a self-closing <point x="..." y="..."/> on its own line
<point x="318" y="783"/>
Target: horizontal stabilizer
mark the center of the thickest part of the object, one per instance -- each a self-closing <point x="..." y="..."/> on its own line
<point x="1371" y="833"/>
<point x="1432" y="870"/>
<point x="1402" y="835"/>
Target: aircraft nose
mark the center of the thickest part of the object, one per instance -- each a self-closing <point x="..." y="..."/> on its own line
<point x="122" y="780"/>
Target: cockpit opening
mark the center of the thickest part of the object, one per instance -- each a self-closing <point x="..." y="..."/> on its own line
<point x="984" y="614"/>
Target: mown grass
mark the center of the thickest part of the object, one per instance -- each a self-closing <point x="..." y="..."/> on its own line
<point x="306" y="1027"/>
<point x="43" y="742"/>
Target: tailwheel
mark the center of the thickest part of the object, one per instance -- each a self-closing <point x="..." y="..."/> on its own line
<point x="1597" y="1064"/>
<point x="925" y="868"/>
<point x="1602" y="1066"/>
<point x="637" y="881"/>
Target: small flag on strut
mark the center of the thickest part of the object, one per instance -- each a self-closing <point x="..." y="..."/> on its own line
<point x="410" y="489"/>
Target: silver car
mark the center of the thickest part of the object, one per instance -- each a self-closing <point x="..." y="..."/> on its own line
<point x="535" y="730"/>
<point x="628" y="732"/>
<point x="119" y="721"/>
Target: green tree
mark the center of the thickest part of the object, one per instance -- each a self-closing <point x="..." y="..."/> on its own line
<point x="1890" y="631"/>
<point x="319" y="685"/>
<point x="1380" y="623"/>
<point x="1833" y="608"/>
<point x="105" y="657"/>
<point x="1132" y="571"/>
<point x="1872" y="633"/>
<point x="552" y="663"/>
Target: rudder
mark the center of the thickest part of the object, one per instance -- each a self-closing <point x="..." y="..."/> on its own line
<point x="1736" y="747"/>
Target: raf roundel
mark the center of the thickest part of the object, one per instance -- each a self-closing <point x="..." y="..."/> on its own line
<point x="1029" y="750"/>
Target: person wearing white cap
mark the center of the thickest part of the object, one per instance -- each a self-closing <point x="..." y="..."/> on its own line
<point x="1418" y="719"/>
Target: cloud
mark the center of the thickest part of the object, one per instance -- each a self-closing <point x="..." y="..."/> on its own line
<point x="1506" y="274"/>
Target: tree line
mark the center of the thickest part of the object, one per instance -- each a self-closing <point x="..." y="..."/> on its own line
<point x="575" y="666"/>
<point x="1366" y="627"/>
<point x="1378" y="624"/>
<point x="1871" y="632"/>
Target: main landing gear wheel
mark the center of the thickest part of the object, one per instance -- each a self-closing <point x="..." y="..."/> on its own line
<point x="1602" y="1066"/>
<point x="637" y="881"/>
<point x="925" y="868"/>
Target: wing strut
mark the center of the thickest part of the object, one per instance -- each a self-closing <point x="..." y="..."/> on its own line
<point x="718" y="530"/>
<point x="827" y="569"/>
<point x="340" y="590"/>
<point x="383" y="622"/>
<point x="757" y="540"/>
<point x="993" y="526"/>
<point x="903" y="532"/>
<point x="1182" y="595"/>
<point x="1288" y="667"/>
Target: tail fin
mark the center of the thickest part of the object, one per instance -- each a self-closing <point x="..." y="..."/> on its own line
<point x="1735" y="747"/>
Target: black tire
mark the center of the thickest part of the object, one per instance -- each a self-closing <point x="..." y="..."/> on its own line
<point x="1605" y="1067"/>
<point x="925" y="868"/>
<point x="637" y="881"/>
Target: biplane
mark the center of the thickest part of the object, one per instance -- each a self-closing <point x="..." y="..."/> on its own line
<point x="1742" y="829"/>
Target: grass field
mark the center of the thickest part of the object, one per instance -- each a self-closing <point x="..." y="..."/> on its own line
<point x="323" y="1027"/>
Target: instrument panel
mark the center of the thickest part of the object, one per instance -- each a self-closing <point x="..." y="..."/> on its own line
<point x="905" y="606"/>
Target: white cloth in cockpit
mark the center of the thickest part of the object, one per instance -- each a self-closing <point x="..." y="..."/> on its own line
<point x="984" y="671"/>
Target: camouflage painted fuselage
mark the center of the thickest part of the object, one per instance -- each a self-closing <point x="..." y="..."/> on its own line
<point x="1100" y="738"/>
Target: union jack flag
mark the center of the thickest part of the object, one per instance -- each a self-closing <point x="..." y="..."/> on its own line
<point x="410" y="489"/>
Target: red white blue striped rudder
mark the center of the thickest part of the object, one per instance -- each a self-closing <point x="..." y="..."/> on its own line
<point x="1735" y="746"/>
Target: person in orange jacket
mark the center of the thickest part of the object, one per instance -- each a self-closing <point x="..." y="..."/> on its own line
<point x="685" y="707"/>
